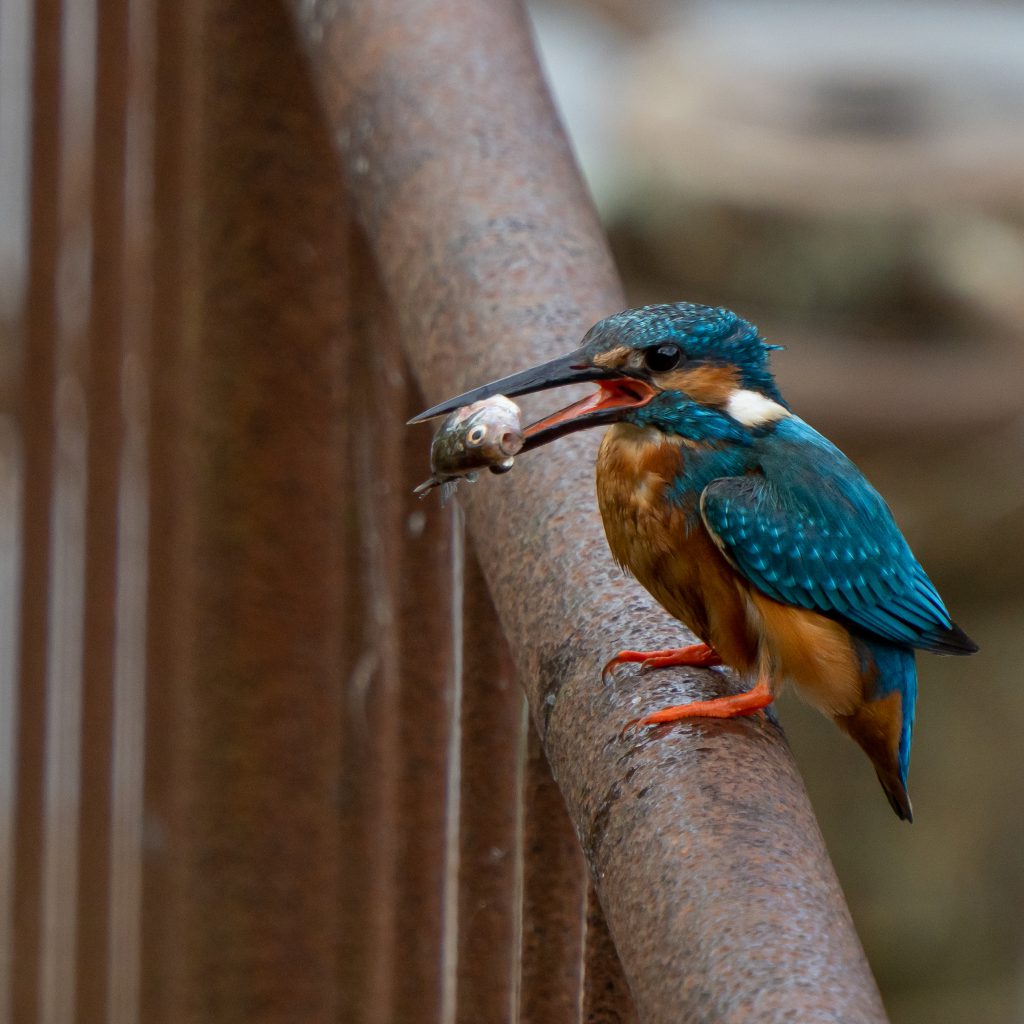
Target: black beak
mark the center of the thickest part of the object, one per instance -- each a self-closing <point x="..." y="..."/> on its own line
<point x="569" y="369"/>
<point x="618" y="392"/>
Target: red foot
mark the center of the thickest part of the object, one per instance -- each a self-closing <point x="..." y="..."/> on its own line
<point x="721" y="707"/>
<point x="696" y="654"/>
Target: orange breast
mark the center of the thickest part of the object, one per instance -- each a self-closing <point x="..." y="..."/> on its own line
<point x="666" y="547"/>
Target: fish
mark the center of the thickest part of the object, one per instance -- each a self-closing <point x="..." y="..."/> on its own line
<point x="485" y="435"/>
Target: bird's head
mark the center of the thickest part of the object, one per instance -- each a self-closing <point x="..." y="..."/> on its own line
<point x="653" y="366"/>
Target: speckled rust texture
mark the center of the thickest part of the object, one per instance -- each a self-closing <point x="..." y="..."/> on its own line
<point x="606" y="996"/>
<point x="707" y="858"/>
<point x="492" y="726"/>
<point x="245" y="663"/>
<point x="554" y="891"/>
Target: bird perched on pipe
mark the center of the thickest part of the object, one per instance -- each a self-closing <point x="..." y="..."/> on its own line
<point x="747" y="525"/>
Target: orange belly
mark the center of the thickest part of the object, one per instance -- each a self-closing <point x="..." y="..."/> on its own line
<point x="667" y="548"/>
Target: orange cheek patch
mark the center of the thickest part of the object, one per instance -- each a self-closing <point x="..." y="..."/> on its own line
<point x="709" y="385"/>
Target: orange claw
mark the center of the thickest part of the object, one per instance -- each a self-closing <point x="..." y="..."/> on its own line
<point x="700" y="655"/>
<point x="731" y="706"/>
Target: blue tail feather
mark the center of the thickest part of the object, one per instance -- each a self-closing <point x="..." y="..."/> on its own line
<point x="897" y="672"/>
<point x="883" y="724"/>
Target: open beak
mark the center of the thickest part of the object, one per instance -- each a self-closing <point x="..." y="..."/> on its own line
<point x="616" y="393"/>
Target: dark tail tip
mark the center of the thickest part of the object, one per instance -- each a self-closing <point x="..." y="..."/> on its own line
<point x="899" y="798"/>
<point x="953" y="641"/>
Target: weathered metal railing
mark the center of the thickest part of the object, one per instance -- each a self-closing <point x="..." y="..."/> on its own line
<point x="264" y="758"/>
<point x="706" y="855"/>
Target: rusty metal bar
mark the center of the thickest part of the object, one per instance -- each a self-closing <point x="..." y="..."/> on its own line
<point x="245" y="680"/>
<point x="133" y="35"/>
<point x="113" y="680"/>
<point x="706" y="855"/>
<point x="553" y="899"/>
<point x="176" y="108"/>
<point x="16" y="121"/>
<point x="606" y="995"/>
<point x="369" y="776"/>
<point x="423" y="583"/>
<point x="492" y="743"/>
<point x="52" y="409"/>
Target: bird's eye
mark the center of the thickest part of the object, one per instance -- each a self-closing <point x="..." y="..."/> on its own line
<point x="476" y="435"/>
<point x="662" y="358"/>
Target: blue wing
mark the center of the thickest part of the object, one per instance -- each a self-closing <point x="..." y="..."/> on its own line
<point x="807" y="529"/>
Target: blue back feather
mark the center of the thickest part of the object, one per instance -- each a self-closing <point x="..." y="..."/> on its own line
<point x="807" y="529"/>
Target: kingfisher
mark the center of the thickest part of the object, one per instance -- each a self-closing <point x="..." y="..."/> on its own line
<point x="747" y="525"/>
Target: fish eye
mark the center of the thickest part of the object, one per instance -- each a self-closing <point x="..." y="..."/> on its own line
<point x="476" y="435"/>
<point x="663" y="357"/>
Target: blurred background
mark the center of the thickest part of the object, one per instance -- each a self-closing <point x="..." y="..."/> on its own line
<point x="848" y="176"/>
<point x="851" y="178"/>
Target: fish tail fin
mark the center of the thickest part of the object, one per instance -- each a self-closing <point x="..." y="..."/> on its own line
<point x="883" y="723"/>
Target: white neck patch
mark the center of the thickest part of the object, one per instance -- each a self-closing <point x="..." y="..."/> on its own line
<point x="753" y="409"/>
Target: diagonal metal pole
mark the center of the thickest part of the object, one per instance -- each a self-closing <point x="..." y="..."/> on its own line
<point x="708" y="861"/>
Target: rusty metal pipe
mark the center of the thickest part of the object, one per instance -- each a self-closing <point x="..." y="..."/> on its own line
<point x="708" y="861"/>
